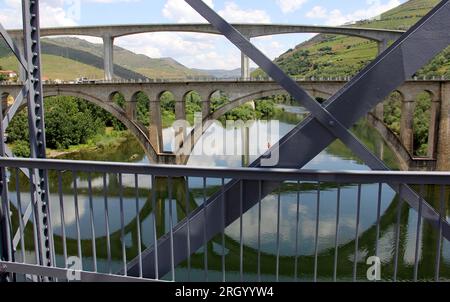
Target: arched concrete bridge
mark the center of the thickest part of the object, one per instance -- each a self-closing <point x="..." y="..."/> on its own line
<point x="241" y="92"/>
<point x="109" y="32"/>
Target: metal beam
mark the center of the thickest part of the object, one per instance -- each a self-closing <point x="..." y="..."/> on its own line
<point x="13" y="48"/>
<point x="39" y="179"/>
<point x="420" y="44"/>
<point x="272" y="174"/>
<point x="6" y="249"/>
<point x="63" y="273"/>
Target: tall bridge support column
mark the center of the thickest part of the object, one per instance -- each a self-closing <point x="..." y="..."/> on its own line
<point x="407" y="123"/>
<point x="382" y="46"/>
<point x="108" y="57"/>
<point x="443" y="148"/>
<point x="155" y="131"/>
<point x="245" y="66"/>
<point x="130" y="110"/>
<point x="180" y="117"/>
<point x="433" y="132"/>
<point x="206" y="107"/>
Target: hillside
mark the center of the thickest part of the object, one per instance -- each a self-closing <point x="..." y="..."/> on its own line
<point x="222" y="74"/>
<point x="149" y="67"/>
<point x="85" y="59"/>
<point x="333" y="55"/>
<point x="55" y="67"/>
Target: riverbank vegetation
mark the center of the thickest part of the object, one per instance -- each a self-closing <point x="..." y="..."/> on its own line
<point x="70" y="123"/>
<point x="73" y="124"/>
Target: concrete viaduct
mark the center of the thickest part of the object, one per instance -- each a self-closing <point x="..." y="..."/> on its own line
<point x="109" y="32"/>
<point x="241" y="92"/>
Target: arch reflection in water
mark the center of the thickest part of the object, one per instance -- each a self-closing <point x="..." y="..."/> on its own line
<point x="336" y="157"/>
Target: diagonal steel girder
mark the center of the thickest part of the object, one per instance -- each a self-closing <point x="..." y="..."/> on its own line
<point x="372" y="85"/>
<point x="10" y="43"/>
<point x="5" y="122"/>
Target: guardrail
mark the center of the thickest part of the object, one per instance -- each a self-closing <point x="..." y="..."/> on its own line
<point x="206" y="79"/>
<point x="108" y="215"/>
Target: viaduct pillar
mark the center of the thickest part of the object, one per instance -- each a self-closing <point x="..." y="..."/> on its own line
<point x="382" y="46"/>
<point x="206" y="107"/>
<point x="155" y="129"/>
<point x="433" y="131"/>
<point x="245" y="66"/>
<point x="407" y="123"/>
<point x="443" y="149"/>
<point x="180" y="116"/>
<point x="130" y="109"/>
<point x="108" y="57"/>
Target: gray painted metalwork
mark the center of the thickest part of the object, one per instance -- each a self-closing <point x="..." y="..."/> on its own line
<point x="6" y="249"/>
<point x="393" y="67"/>
<point x="328" y="122"/>
<point x="22" y="269"/>
<point x="62" y="273"/>
<point x="32" y="53"/>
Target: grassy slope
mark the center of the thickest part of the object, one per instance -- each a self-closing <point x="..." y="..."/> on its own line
<point x="348" y="55"/>
<point x="67" y="58"/>
<point x="58" y="67"/>
<point x="153" y="68"/>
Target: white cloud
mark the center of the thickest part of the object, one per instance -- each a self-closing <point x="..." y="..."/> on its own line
<point x="181" y="12"/>
<point x="197" y="50"/>
<point x="317" y="12"/>
<point x="290" y="6"/>
<point x="337" y="17"/>
<point x="193" y="50"/>
<point x="269" y="46"/>
<point x="52" y="13"/>
<point x="233" y="13"/>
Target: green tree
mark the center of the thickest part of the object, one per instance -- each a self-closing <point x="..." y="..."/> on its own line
<point x="69" y="121"/>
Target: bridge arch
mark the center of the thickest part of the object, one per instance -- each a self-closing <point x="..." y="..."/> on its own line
<point x="251" y="30"/>
<point x="191" y="140"/>
<point x="136" y="129"/>
<point x="258" y="95"/>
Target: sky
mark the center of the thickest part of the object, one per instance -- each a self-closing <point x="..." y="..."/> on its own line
<point x="198" y="50"/>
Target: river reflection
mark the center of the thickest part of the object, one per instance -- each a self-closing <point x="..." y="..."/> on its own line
<point x="139" y="204"/>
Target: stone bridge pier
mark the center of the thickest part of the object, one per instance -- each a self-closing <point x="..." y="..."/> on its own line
<point x="443" y="148"/>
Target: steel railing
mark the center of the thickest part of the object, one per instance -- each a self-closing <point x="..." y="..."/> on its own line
<point x="109" y="216"/>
